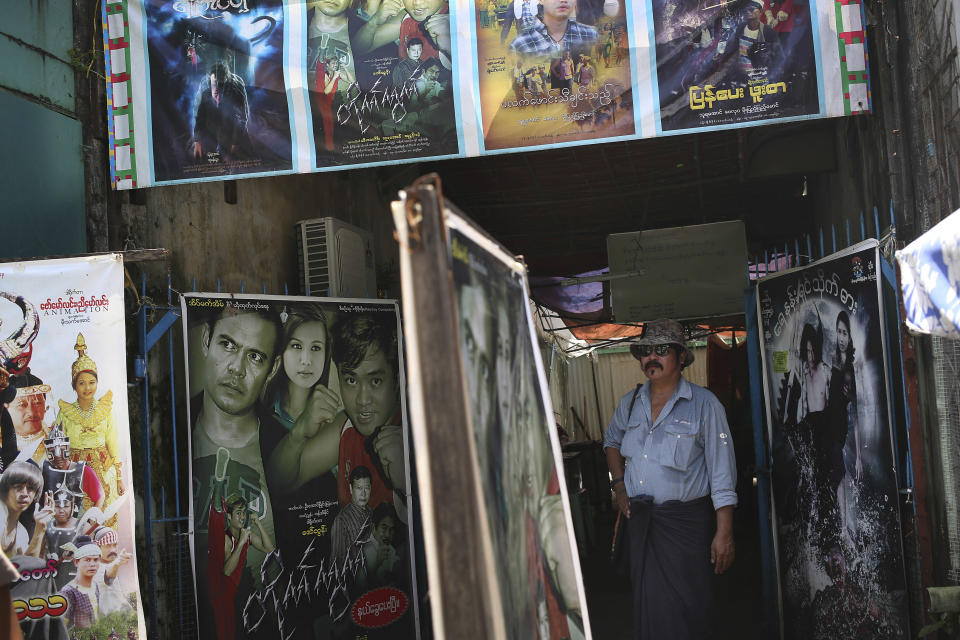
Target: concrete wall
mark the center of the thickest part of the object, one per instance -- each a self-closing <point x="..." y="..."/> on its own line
<point x="253" y="240"/>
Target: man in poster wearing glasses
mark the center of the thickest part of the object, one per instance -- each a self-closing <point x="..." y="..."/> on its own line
<point x="672" y="464"/>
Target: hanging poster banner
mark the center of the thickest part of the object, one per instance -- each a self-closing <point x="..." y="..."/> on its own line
<point x="835" y="494"/>
<point x="518" y="458"/>
<point x="217" y="89"/>
<point x="66" y="485"/>
<point x="299" y="463"/>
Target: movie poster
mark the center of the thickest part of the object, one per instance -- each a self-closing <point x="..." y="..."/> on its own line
<point x="66" y="488"/>
<point x="379" y="80"/>
<point x="519" y="464"/>
<point x="299" y="467"/>
<point x="552" y="71"/>
<point x="732" y="62"/>
<point x="834" y="488"/>
<point x="217" y="94"/>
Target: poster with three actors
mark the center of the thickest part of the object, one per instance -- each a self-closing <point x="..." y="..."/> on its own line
<point x="525" y="502"/>
<point x="66" y="487"/>
<point x="552" y="71"/>
<point x="299" y="467"/>
<point x="836" y="501"/>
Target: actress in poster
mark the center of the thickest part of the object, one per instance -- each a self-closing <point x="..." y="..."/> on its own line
<point x="380" y="82"/>
<point x="553" y="71"/>
<point x="835" y="491"/>
<point x="299" y="466"/>
<point x="65" y="488"/>
<point x="734" y="61"/>
<point x="218" y="99"/>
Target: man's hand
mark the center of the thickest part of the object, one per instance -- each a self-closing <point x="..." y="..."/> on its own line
<point x="244" y="536"/>
<point x="623" y="502"/>
<point x="722" y="551"/>
<point x="388" y="445"/>
<point x="43" y="515"/>
<point x="322" y="406"/>
<point x="782" y="16"/>
<point x="437" y="27"/>
<point x="389" y="9"/>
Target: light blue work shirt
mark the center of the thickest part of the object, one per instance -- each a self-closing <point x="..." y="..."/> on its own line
<point x="686" y="454"/>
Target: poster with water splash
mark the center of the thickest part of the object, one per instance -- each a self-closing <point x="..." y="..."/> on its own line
<point x="838" y="537"/>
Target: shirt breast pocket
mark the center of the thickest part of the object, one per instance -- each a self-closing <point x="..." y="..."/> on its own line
<point x="679" y="445"/>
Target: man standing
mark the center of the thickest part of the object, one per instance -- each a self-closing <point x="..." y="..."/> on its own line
<point x="556" y="33"/>
<point x="83" y="592"/>
<point x="406" y="68"/>
<point x="350" y="522"/>
<point x="671" y="458"/>
<point x="220" y="122"/>
<point x="231" y="437"/>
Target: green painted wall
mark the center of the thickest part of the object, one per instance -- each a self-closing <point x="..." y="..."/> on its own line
<point x="41" y="181"/>
<point x="41" y="160"/>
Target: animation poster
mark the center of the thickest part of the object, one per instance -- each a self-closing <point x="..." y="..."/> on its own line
<point x="217" y="93"/>
<point x="380" y="82"/>
<point x="835" y="491"/>
<point x="526" y="504"/>
<point x="732" y="62"/>
<point x="553" y="71"/>
<point x="66" y="488"/>
<point x="299" y="468"/>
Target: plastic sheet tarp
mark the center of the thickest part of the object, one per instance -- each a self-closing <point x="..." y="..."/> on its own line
<point x="930" y="280"/>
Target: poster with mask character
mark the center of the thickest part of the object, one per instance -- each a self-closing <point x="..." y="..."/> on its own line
<point x="526" y="506"/>
<point x="66" y="503"/>
<point x="218" y="98"/>
<point x="836" y="501"/>
<point x="299" y="466"/>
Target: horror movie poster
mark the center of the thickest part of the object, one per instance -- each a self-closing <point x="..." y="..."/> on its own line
<point x="379" y="80"/>
<point x="299" y="468"/>
<point x="518" y="452"/>
<point x="218" y="101"/>
<point x="66" y="487"/>
<point x="834" y="487"/>
<point x="728" y="62"/>
<point x="552" y="72"/>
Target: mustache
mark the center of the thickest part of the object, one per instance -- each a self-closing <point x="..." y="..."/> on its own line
<point x="651" y="365"/>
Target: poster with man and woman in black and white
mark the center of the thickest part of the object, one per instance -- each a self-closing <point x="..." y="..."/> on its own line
<point x="836" y="500"/>
<point x="299" y="466"/>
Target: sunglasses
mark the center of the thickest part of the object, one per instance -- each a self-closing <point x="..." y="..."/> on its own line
<point x="661" y="349"/>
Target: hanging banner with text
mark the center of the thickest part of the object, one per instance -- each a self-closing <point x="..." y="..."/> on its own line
<point x="299" y="464"/>
<point x="839" y="547"/>
<point x="66" y="491"/>
<point x="221" y="89"/>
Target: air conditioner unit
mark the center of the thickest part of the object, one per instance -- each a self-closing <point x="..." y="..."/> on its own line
<point x="335" y="259"/>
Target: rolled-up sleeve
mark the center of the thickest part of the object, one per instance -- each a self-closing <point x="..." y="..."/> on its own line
<point x="719" y="455"/>
<point x="618" y="424"/>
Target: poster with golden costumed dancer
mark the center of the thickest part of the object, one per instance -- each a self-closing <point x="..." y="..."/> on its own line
<point x="66" y="505"/>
